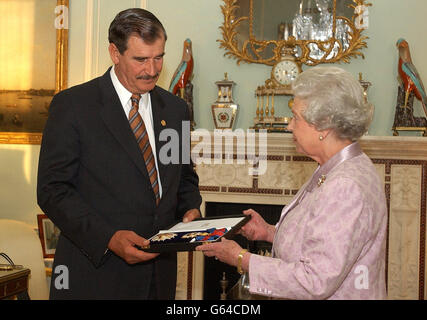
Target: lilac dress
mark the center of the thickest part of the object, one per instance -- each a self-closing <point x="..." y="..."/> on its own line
<point x="331" y="244"/>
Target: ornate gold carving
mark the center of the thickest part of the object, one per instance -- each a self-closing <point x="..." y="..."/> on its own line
<point x="266" y="118"/>
<point x="251" y="49"/>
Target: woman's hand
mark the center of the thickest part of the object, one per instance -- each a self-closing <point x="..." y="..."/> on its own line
<point x="257" y="228"/>
<point x="226" y="251"/>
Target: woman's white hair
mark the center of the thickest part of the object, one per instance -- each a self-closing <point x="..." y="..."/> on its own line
<point x="334" y="101"/>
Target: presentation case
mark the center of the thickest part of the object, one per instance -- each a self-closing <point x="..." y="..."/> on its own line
<point x="187" y="236"/>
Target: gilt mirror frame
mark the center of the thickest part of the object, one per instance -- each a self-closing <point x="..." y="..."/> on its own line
<point x="60" y="31"/>
<point x="251" y="49"/>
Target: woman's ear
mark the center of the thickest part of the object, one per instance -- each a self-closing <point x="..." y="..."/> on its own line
<point x="325" y="133"/>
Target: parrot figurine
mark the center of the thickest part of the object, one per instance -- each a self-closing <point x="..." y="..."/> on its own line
<point x="409" y="75"/>
<point x="184" y="70"/>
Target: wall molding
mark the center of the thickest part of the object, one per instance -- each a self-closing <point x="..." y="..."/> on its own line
<point x="88" y="40"/>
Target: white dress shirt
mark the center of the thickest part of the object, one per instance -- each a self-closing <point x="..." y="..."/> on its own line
<point x="144" y="110"/>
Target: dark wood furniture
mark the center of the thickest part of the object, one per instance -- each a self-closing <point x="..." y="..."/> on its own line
<point x="14" y="283"/>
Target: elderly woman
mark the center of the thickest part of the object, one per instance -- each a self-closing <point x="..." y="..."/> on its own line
<point x="329" y="242"/>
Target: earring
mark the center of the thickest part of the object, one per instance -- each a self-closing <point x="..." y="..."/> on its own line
<point x="320" y="138"/>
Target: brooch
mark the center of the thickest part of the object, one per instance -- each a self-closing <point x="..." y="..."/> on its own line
<point x="321" y="180"/>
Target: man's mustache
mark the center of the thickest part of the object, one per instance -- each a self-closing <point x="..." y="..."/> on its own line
<point x="147" y="77"/>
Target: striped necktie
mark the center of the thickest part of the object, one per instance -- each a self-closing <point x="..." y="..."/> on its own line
<point x="138" y="127"/>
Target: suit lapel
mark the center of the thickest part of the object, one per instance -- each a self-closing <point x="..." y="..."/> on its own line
<point x="158" y="108"/>
<point x="115" y="119"/>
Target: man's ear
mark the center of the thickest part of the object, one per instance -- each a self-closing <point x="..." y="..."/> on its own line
<point x="114" y="53"/>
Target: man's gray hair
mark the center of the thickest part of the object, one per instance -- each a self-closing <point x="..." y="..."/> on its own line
<point x="334" y="101"/>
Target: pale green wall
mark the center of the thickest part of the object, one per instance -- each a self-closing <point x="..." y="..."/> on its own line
<point x="199" y="20"/>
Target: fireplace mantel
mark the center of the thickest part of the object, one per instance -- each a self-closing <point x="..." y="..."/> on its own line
<point x="401" y="163"/>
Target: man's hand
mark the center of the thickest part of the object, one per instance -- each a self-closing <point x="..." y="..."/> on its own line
<point x="122" y="244"/>
<point x="191" y="214"/>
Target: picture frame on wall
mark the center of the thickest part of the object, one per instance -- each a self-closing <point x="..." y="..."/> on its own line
<point x="48" y="234"/>
<point x="33" y="61"/>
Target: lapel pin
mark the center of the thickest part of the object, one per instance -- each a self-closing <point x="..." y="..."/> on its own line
<point x="163" y="122"/>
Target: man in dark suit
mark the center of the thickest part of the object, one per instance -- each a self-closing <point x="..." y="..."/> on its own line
<point x="104" y="179"/>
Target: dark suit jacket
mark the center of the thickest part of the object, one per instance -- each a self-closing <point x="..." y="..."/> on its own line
<point x="92" y="181"/>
